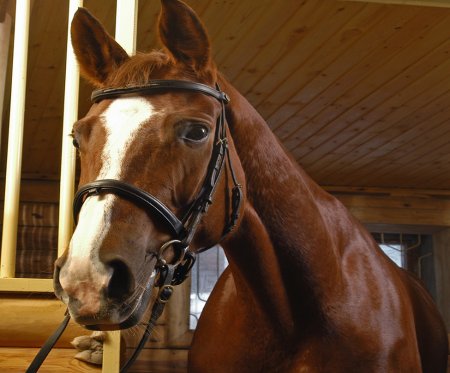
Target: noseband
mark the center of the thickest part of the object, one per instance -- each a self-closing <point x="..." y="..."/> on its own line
<point x="182" y="230"/>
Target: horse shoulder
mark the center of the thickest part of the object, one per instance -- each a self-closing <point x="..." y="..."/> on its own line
<point x="232" y="335"/>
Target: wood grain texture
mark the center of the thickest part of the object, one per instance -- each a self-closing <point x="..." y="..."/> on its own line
<point x="441" y="254"/>
<point x="28" y="320"/>
<point x="16" y="360"/>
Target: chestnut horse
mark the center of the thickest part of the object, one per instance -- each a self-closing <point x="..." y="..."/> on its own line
<point x="307" y="288"/>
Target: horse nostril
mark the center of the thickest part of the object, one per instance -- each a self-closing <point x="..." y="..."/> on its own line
<point x="120" y="284"/>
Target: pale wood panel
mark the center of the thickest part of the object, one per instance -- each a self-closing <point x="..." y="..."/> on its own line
<point x="320" y="68"/>
<point x="370" y="145"/>
<point x="401" y="92"/>
<point x="317" y="118"/>
<point x="361" y="79"/>
<point x="262" y="44"/>
<point x="282" y="59"/>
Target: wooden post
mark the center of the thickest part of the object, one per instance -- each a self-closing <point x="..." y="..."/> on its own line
<point x="441" y="253"/>
<point x="126" y="25"/>
<point x="15" y="139"/>
<point x="67" y="185"/>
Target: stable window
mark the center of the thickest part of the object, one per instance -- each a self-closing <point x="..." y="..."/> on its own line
<point x="205" y="273"/>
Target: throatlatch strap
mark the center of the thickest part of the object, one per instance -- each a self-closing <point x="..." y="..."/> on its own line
<point x="48" y="345"/>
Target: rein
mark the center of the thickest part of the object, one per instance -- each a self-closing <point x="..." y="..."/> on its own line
<point x="181" y="230"/>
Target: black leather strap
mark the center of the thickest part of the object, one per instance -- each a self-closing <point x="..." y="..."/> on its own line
<point x="137" y="196"/>
<point x="48" y="345"/>
<point x="157" y="86"/>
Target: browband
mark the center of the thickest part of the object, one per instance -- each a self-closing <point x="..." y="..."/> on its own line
<point x="157" y="85"/>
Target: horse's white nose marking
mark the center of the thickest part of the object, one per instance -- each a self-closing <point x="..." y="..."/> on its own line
<point x="122" y="121"/>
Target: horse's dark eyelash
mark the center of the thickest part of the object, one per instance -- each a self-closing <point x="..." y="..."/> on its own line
<point x="74" y="141"/>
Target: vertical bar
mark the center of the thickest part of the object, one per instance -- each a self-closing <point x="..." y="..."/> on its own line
<point x="111" y="352"/>
<point x="125" y="35"/>
<point x="15" y="139"/>
<point x="126" y="24"/>
<point x="68" y="154"/>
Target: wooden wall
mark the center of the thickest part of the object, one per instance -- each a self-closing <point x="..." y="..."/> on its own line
<point x="441" y="250"/>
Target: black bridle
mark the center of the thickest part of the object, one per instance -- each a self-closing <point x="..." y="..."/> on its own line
<point x="182" y="230"/>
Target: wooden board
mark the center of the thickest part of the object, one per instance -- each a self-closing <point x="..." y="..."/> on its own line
<point x="27" y="321"/>
<point x="396" y="207"/>
<point x="16" y="360"/>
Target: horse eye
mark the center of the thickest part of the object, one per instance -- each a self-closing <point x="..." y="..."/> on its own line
<point x="195" y="133"/>
<point x="75" y="143"/>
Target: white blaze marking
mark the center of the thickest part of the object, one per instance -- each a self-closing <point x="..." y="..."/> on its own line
<point x="122" y="121"/>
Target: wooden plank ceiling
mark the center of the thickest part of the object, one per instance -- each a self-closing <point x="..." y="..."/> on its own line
<point x="358" y="92"/>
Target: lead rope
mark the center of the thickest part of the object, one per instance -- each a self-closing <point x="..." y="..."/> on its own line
<point x="164" y="294"/>
<point x="48" y="345"/>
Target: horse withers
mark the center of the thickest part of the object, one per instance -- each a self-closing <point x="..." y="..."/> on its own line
<point x="307" y="288"/>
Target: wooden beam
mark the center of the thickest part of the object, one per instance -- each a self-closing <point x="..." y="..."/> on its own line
<point x="29" y="321"/>
<point x="429" y="208"/>
<point x="59" y="360"/>
<point x="26" y="285"/>
<point x="431" y="3"/>
<point x="34" y="190"/>
<point x="68" y="154"/>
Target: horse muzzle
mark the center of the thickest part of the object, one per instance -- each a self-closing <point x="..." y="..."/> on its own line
<point x="103" y="297"/>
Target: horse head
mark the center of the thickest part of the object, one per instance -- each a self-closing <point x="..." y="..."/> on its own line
<point x="166" y="145"/>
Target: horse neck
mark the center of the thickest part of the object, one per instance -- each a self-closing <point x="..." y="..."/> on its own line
<point x="303" y="223"/>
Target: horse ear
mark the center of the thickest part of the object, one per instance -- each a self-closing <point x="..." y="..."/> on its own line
<point x="183" y="34"/>
<point x="98" y="54"/>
